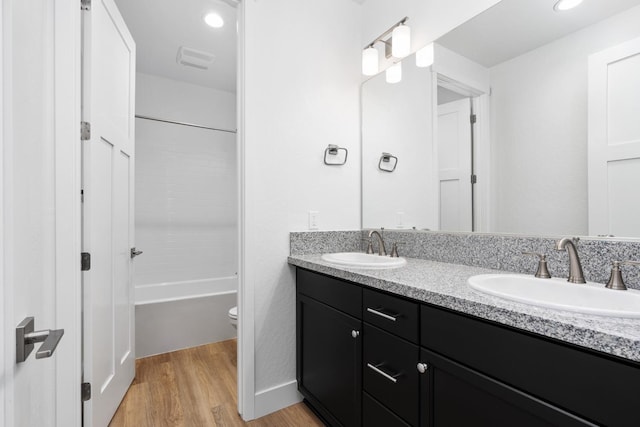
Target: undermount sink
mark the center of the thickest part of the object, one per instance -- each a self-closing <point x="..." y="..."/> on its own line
<point x="589" y="298"/>
<point x="362" y="260"/>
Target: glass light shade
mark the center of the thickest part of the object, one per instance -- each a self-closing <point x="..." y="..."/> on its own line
<point x="213" y="20"/>
<point x="424" y="57"/>
<point x="566" y="4"/>
<point x="370" y="61"/>
<point x="401" y="41"/>
<point x="394" y="73"/>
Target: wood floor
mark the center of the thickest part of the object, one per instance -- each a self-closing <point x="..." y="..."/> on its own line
<point x="195" y="387"/>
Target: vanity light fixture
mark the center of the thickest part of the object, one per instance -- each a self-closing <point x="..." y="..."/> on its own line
<point x="370" y="61"/>
<point x="394" y="73"/>
<point x="425" y="56"/>
<point x="213" y="20"/>
<point x="397" y="41"/>
<point x="401" y="41"/>
<point x="566" y="5"/>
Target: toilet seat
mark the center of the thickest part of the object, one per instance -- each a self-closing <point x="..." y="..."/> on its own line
<point x="233" y="313"/>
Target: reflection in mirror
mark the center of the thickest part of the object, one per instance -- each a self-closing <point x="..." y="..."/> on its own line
<point x="396" y="119"/>
<point x="556" y="146"/>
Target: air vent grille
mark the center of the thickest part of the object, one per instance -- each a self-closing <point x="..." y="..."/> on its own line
<point x="195" y="58"/>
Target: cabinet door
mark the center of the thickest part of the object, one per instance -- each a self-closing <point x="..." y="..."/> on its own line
<point x="329" y="353"/>
<point x="454" y="395"/>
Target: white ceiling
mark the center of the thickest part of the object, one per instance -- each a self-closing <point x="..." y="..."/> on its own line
<point x="513" y="27"/>
<point x="160" y="27"/>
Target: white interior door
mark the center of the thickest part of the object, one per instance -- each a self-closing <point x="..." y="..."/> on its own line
<point x="614" y="141"/>
<point x="454" y="165"/>
<point x="108" y="183"/>
<point x="40" y="216"/>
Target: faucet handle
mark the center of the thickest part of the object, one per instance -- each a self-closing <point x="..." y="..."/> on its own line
<point x="394" y="250"/>
<point x="615" y="280"/>
<point x="543" y="271"/>
<point x="369" y="245"/>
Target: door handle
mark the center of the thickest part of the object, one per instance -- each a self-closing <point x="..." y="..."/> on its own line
<point x="135" y="253"/>
<point x="26" y="337"/>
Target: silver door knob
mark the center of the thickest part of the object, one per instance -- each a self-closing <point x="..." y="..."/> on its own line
<point x="355" y="333"/>
<point x="135" y="253"/>
<point x="422" y="367"/>
<point x="26" y="337"/>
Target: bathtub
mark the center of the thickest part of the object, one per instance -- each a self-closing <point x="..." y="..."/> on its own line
<point x="177" y="315"/>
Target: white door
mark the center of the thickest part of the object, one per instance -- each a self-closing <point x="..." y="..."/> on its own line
<point x="614" y="141"/>
<point x="454" y="165"/>
<point x="40" y="215"/>
<point x="108" y="182"/>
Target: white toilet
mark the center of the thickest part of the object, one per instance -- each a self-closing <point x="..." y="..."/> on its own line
<point x="233" y="316"/>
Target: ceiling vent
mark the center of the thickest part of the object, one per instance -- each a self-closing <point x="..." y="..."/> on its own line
<point x="195" y="58"/>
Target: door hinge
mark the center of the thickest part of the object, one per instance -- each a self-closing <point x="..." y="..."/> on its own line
<point x="85" y="131"/>
<point x="81" y="196"/>
<point x="85" y="261"/>
<point x="86" y="391"/>
<point x="473" y="118"/>
<point x="474" y="178"/>
<point x="85" y="4"/>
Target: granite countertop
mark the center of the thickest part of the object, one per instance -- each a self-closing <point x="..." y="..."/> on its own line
<point x="445" y="285"/>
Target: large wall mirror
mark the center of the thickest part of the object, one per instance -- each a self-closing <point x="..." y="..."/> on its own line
<point x="554" y="145"/>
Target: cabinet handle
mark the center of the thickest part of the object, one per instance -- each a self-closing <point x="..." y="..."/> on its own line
<point x="381" y="372"/>
<point x="422" y="367"/>
<point x="381" y="314"/>
<point x="355" y="333"/>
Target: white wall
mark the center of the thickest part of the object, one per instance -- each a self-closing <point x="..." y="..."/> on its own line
<point x="302" y="76"/>
<point x="173" y="100"/>
<point x="539" y="131"/>
<point x="301" y="88"/>
<point x="396" y="118"/>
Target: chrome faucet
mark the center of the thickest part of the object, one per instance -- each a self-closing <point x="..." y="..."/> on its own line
<point x="381" y="249"/>
<point x="575" y="268"/>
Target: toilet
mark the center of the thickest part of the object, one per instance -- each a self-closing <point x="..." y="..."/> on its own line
<point x="233" y="316"/>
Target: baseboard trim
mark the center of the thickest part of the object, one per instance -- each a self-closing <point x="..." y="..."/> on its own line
<point x="275" y="398"/>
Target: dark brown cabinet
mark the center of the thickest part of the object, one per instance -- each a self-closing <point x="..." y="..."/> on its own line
<point x="369" y="358"/>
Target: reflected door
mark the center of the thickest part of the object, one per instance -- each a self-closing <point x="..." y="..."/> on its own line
<point x="454" y="165"/>
<point x="614" y="141"/>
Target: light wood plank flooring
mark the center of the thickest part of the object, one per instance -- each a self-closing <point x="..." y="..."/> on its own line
<point x="195" y="387"/>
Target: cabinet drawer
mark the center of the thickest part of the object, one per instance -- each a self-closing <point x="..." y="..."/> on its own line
<point x="375" y="414"/>
<point x="393" y="314"/>
<point x="389" y="372"/>
<point x="336" y="293"/>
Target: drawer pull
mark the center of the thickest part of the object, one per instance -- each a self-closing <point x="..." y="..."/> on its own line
<point x="381" y="314"/>
<point x="381" y="372"/>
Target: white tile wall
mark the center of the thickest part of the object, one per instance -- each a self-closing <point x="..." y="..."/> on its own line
<point x="186" y="221"/>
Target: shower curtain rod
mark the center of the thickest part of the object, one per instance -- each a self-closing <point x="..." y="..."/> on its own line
<point x="184" y="124"/>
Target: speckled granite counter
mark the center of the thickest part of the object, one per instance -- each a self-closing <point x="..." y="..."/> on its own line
<point x="445" y="285"/>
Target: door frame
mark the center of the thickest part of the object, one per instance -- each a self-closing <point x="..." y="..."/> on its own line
<point x="66" y="83"/>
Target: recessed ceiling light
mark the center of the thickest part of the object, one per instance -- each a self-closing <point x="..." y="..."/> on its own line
<point x="214" y="20"/>
<point x="566" y="4"/>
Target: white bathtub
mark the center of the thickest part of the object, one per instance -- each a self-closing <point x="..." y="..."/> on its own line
<point x="175" y="315"/>
<point x="177" y="291"/>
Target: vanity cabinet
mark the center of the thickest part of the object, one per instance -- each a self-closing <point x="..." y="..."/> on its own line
<point x="366" y="357"/>
<point x="329" y="347"/>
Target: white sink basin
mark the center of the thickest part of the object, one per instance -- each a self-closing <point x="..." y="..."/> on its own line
<point x="590" y="298"/>
<point x="362" y="260"/>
